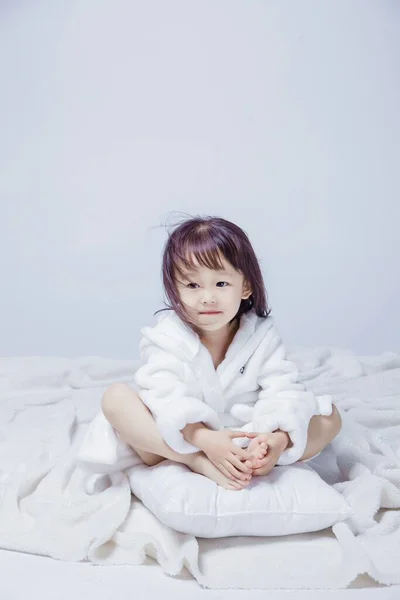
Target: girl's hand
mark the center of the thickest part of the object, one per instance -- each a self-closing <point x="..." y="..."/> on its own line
<point x="224" y="454"/>
<point x="277" y="442"/>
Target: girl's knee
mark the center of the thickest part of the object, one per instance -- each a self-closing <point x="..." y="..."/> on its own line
<point x="114" y="396"/>
<point x="331" y="425"/>
<point x="336" y="420"/>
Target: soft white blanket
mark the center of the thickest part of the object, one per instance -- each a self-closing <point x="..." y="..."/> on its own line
<point x="46" y="405"/>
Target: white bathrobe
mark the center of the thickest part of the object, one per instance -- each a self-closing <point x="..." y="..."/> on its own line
<point x="255" y="388"/>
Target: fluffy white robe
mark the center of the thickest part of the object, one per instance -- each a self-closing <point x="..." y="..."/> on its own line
<point x="255" y="388"/>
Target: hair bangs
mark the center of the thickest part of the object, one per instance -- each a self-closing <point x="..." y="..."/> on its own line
<point x="203" y="252"/>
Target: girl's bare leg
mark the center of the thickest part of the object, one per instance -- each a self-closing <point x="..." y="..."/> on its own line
<point x="125" y="411"/>
<point x="322" y="429"/>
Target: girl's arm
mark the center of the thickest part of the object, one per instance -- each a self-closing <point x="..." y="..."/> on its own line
<point x="162" y="388"/>
<point x="283" y="402"/>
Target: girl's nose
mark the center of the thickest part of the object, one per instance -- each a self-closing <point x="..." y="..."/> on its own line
<point x="208" y="298"/>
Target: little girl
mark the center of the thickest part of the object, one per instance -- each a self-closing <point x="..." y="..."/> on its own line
<point x="214" y="377"/>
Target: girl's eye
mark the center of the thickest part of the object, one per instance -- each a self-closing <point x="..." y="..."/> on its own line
<point x="189" y="284"/>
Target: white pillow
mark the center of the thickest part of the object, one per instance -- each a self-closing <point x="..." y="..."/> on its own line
<point x="290" y="499"/>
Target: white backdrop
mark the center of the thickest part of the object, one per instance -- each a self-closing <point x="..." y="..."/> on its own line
<point x="281" y="116"/>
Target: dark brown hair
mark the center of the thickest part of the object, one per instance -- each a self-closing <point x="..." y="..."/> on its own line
<point x="206" y="238"/>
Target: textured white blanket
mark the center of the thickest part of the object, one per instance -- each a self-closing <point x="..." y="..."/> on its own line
<point x="46" y="405"/>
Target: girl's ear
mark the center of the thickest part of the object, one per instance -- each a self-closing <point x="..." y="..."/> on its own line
<point x="246" y="291"/>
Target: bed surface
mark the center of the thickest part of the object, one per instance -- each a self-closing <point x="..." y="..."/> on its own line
<point x="46" y="406"/>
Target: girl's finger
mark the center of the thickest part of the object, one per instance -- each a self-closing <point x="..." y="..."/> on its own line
<point x="235" y="485"/>
<point x="239" y="464"/>
<point x="235" y="434"/>
<point x="229" y="466"/>
<point x="225" y="471"/>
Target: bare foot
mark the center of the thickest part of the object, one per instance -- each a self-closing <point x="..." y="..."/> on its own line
<point x="257" y="448"/>
<point x="199" y="463"/>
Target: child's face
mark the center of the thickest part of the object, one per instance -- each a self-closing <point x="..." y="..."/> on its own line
<point x="209" y="290"/>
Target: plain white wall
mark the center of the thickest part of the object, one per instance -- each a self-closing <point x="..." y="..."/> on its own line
<point x="281" y="116"/>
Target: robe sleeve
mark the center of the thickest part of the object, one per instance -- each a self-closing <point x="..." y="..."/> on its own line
<point x="161" y="381"/>
<point x="283" y="402"/>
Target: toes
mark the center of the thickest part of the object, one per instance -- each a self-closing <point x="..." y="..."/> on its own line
<point x="265" y="449"/>
<point x="238" y="486"/>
